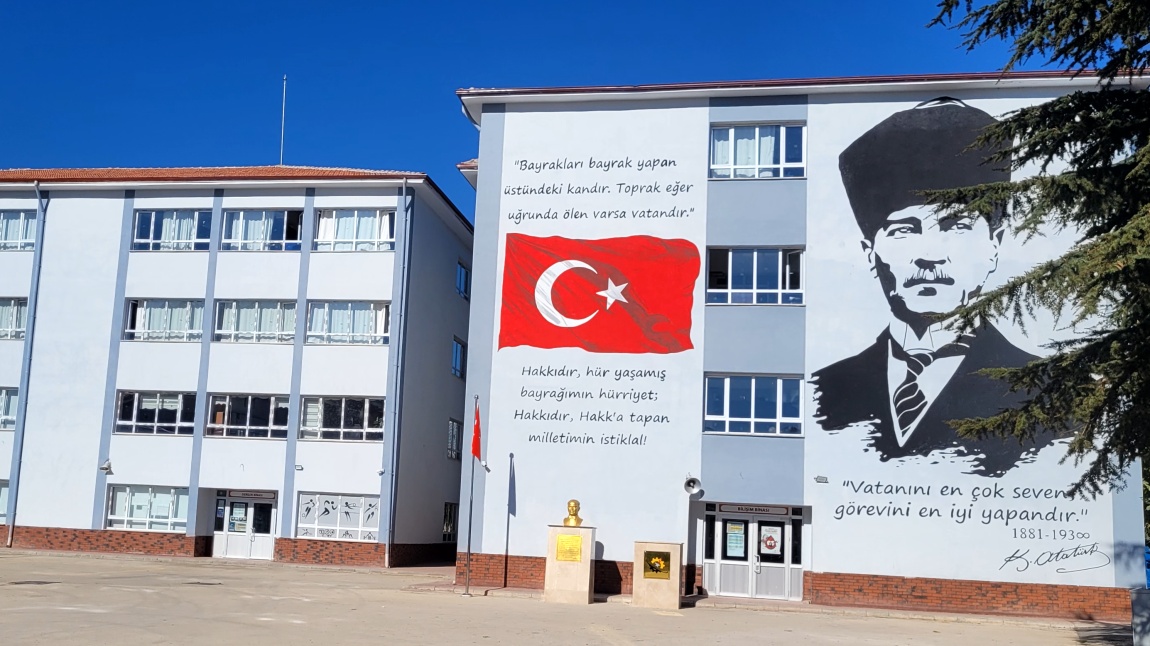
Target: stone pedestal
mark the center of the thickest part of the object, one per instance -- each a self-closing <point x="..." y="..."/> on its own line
<point x="657" y="589"/>
<point x="570" y="573"/>
<point x="1140" y="610"/>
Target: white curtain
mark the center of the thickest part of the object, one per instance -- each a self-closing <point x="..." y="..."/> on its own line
<point x="326" y="233"/>
<point x="362" y="322"/>
<point x="233" y="227"/>
<point x="16" y="227"/>
<point x="768" y="146"/>
<point x="344" y="230"/>
<point x="720" y="147"/>
<point x="8" y="317"/>
<point x="311" y="412"/>
<point x="247" y="319"/>
<point x="745" y="146"/>
<point x="367" y="229"/>
<point x="156" y="319"/>
<point x="316" y="318"/>
<point x="339" y="322"/>
<point x="268" y="320"/>
<point x="382" y="319"/>
<point x="256" y="229"/>
<point x="177" y="229"/>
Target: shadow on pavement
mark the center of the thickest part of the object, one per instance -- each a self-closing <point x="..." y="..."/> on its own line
<point x="1105" y="635"/>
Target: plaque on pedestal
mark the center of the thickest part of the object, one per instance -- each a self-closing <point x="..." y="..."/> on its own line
<point x="657" y="575"/>
<point x="570" y="575"/>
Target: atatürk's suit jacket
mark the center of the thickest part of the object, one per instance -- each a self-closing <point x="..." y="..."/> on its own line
<point x="855" y="391"/>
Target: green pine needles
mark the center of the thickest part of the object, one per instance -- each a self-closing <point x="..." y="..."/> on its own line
<point x="1093" y="152"/>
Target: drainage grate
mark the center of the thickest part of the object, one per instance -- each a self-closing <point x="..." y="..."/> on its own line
<point x="33" y="582"/>
<point x="202" y="583"/>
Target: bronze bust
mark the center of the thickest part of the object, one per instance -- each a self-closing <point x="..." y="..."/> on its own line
<point x="572" y="519"/>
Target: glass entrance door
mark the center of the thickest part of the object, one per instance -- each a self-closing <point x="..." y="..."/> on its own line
<point x="244" y="527"/>
<point x="759" y="556"/>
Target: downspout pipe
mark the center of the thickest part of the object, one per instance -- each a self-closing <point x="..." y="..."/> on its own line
<point x="405" y="278"/>
<point x="26" y="366"/>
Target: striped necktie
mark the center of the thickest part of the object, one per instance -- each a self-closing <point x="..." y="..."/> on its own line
<point x="909" y="402"/>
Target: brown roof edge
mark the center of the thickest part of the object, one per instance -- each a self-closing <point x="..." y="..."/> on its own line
<point x="470" y="164"/>
<point x="773" y="83"/>
<point x="193" y="174"/>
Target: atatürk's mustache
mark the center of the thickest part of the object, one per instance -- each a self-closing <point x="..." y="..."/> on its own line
<point x="928" y="277"/>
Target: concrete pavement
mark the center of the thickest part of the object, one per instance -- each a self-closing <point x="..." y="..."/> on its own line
<point x="48" y="598"/>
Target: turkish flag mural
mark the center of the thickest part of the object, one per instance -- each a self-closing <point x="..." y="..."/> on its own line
<point x="628" y="295"/>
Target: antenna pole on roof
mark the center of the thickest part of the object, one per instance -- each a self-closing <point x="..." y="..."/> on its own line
<point x="283" y="115"/>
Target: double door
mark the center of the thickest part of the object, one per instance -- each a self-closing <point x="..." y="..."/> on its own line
<point x="244" y="522"/>
<point x="759" y="556"/>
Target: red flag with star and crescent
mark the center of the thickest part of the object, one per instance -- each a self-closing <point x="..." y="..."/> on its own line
<point x="625" y="295"/>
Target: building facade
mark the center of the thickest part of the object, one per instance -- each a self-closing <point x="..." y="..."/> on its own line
<point x="252" y="362"/>
<point x="707" y="312"/>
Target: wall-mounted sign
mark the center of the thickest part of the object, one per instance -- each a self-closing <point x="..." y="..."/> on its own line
<point x="569" y="547"/>
<point x="265" y="495"/>
<point x="736" y="543"/>
<point x="656" y="565"/>
<point x="770" y="540"/>
<point x="756" y="509"/>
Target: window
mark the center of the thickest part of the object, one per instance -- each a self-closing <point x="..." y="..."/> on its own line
<point x="355" y="230"/>
<point x="355" y="322"/>
<point x="255" y="321"/>
<point x="450" y="521"/>
<point x="156" y="413"/>
<point x="454" y="439"/>
<point x="13" y="317"/>
<point x="463" y="281"/>
<point x="3" y="502"/>
<point x="338" y="517"/>
<point x="752" y="404"/>
<point x="755" y="276"/>
<point x="164" y="320"/>
<point x="140" y="507"/>
<point x="261" y="230"/>
<point x="17" y="230"/>
<point x="9" y="399"/>
<point x="755" y="152"/>
<point x="248" y="416"/>
<point x="353" y="419"/>
<point x="458" y="358"/>
<point x="172" y="231"/>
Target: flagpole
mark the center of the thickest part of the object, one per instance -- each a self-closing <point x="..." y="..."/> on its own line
<point x="470" y="512"/>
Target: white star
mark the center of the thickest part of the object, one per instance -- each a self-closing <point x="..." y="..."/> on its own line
<point x="613" y="293"/>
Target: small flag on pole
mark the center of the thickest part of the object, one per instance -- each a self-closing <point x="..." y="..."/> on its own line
<point x="475" y="435"/>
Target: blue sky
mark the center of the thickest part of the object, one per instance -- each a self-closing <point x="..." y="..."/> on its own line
<point x="371" y="84"/>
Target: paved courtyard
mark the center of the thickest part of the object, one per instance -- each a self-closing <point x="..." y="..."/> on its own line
<point x="70" y="599"/>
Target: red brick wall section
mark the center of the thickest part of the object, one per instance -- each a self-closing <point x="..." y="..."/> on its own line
<point x="103" y="540"/>
<point x="496" y="571"/>
<point x="977" y="597"/>
<point x="315" y="552"/>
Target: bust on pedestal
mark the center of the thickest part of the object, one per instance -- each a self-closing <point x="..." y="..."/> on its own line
<point x="569" y="576"/>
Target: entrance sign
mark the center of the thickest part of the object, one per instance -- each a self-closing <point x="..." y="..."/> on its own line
<point x="262" y="495"/>
<point x="756" y="509"/>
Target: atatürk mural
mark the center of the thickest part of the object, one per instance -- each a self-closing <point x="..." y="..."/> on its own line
<point x="901" y="390"/>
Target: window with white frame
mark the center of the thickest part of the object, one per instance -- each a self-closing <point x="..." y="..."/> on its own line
<point x="454" y="439"/>
<point x="337" y="517"/>
<point x="140" y="507"/>
<point x="262" y="231"/>
<point x="155" y="413"/>
<point x="355" y="419"/>
<point x="458" y="358"/>
<point x="17" y="230"/>
<point x="181" y="230"/>
<point x="755" y="276"/>
<point x="758" y="151"/>
<point x="355" y="230"/>
<point x="3" y="502"/>
<point x="164" y="319"/>
<point x="463" y="281"/>
<point x="753" y="404"/>
<point x="255" y="321"/>
<point x="450" y="521"/>
<point x="348" y="322"/>
<point x="254" y="416"/>
<point x="13" y="317"/>
<point x="9" y="400"/>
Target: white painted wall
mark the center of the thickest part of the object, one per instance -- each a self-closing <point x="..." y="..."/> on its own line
<point x="254" y="368"/>
<point x="69" y="381"/>
<point x="15" y="273"/>
<point x="432" y="395"/>
<point x="6" y="438"/>
<point x="352" y="275"/>
<point x="355" y="198"/>
<point x="338" y="467"/>
<point x="257" y="275"/>
<point x="161" y="198"/>
<point x="154" y="366"/>
<point x="237" y="463"/>
<point x="344" y="370"/>
<point x="167" y="274"/>
<point x="151" y="459"/>
<point x="11" y="359"/>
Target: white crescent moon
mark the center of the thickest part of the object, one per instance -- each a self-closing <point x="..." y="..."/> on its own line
<point x="543" y="293"/>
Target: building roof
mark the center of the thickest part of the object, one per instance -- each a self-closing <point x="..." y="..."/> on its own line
<point x="771" y="83"/>
<point x="197" y="173"/>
